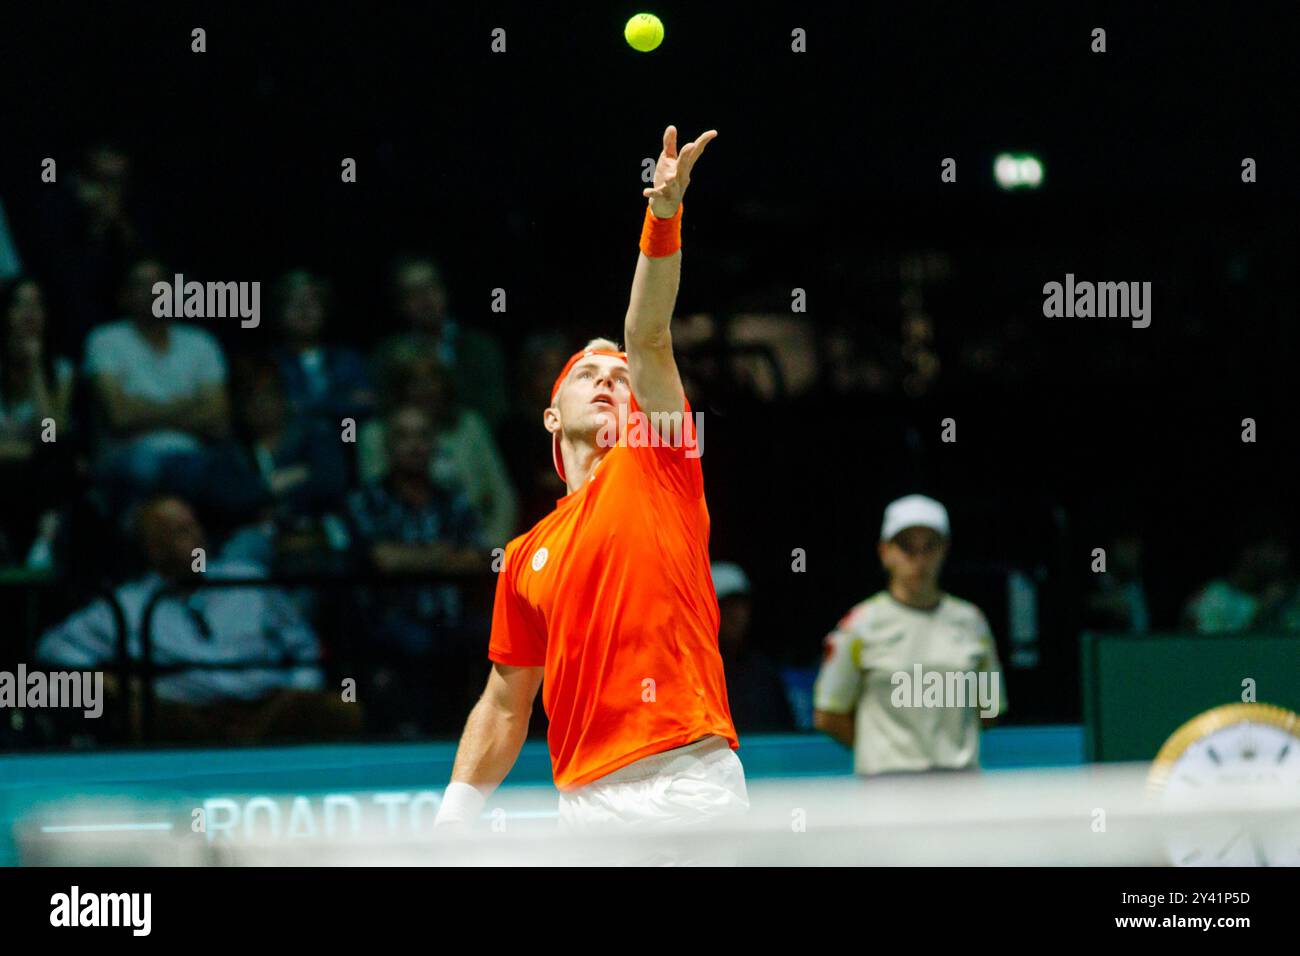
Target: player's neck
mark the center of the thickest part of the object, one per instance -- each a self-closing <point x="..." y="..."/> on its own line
<point x="923" y="597"/>
<point x="580" y="461"/>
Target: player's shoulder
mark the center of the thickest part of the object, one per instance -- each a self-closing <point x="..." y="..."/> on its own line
<point x="844" y="644"/>
<point x="667" y="445"/>
<point x="860" y="616"/>
<point x="961" y="611"/>
<point x="530" y="542"/>
<point x="518" y="543"/>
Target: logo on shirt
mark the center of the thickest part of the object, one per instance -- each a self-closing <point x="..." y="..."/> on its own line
<point x="539" y="559"/>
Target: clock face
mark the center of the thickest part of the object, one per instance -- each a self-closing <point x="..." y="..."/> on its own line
<point x="1230" y="781"/>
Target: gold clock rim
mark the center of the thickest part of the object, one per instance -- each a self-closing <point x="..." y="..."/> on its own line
<point x="1212" y="721"/>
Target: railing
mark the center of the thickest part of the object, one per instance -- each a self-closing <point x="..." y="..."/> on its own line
<point x="140" y="673"/>
<point x="33" y="583"/>
<point x="147" y="669"/>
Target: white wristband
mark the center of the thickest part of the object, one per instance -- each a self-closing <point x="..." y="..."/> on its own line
<point x="461" y="803"/>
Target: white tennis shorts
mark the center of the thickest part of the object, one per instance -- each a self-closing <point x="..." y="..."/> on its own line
<point x="695" y="786"/>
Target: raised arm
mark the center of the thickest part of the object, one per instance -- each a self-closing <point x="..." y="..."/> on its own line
<point x="646" y="330"/>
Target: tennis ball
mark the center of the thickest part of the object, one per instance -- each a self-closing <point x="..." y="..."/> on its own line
<point x="644" y="32"/>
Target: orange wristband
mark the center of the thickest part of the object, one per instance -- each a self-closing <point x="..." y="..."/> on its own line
<point x="661" y="237"/>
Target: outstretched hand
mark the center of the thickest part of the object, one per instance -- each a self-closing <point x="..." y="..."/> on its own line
<point x="673" y="172"/>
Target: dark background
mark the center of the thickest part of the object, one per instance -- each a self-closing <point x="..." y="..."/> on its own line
<point x="521" y="171"/>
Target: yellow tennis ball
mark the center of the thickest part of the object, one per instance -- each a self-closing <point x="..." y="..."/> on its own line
<point x="644" y="32"/>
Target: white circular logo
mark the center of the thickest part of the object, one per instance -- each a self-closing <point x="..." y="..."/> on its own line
<point x="539" y="558"/>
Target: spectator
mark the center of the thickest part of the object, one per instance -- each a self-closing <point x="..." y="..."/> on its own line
<point x="1259" y="592"/>
<point x="83" y="232"/>
<point x="1117" y="600"/>
<point x="475" y="360"/>
<point x="300" y="461"/>
<point x="322" y="381"/>
<point x="33" y="383"/>
<point x="272" y="686"/>
<point x="755" y="692"/>
<point x="161" y="386"/>
<point x="288" y="471"/>
<point x="407" y="524"/>
<point x="527" y="447"/>
<point x="111" y="232"/>
<point x="465" y="453"/>
<point x="35" y="396"/>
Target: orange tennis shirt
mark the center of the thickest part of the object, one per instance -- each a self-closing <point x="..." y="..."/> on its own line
<point x="611" y="593"/>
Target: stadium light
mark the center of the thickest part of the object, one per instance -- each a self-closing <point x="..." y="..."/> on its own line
<point x="1018" y="171"/>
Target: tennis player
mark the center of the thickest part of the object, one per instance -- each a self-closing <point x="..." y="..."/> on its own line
<point x="607" y="604"/>
<point x="909" y="674"/>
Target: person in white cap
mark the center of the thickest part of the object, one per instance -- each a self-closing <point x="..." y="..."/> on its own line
<point x="908" y="674"/>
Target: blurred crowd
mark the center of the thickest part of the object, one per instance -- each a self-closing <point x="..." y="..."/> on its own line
<point x="1258" y="590"/>
<point x="137" y="451"/>
<point x="392" y="448"/>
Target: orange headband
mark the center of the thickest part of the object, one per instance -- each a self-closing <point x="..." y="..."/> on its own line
<point x="574" y="359"/>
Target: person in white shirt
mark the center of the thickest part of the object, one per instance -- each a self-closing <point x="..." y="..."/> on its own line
<point x="909" y="673"/>
<point x="234" y="664"/>
<point x="160" y="384"/>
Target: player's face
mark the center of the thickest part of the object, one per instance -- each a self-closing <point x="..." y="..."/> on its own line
<point x="590" y="397"/>
<point x="915" y="555"/>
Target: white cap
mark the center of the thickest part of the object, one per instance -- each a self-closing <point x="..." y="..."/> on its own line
<point x="913" y="511"/>
<point x="729" y="579"/>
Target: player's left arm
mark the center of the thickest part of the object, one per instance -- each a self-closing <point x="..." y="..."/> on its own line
<point x="656" y="382"/>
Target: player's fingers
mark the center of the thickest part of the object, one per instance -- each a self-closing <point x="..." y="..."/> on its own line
<point x="697" y="148"/>
<point x="704" y="139"/>
<point x="684" y="159"/>
<point x="670" y="142"/>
